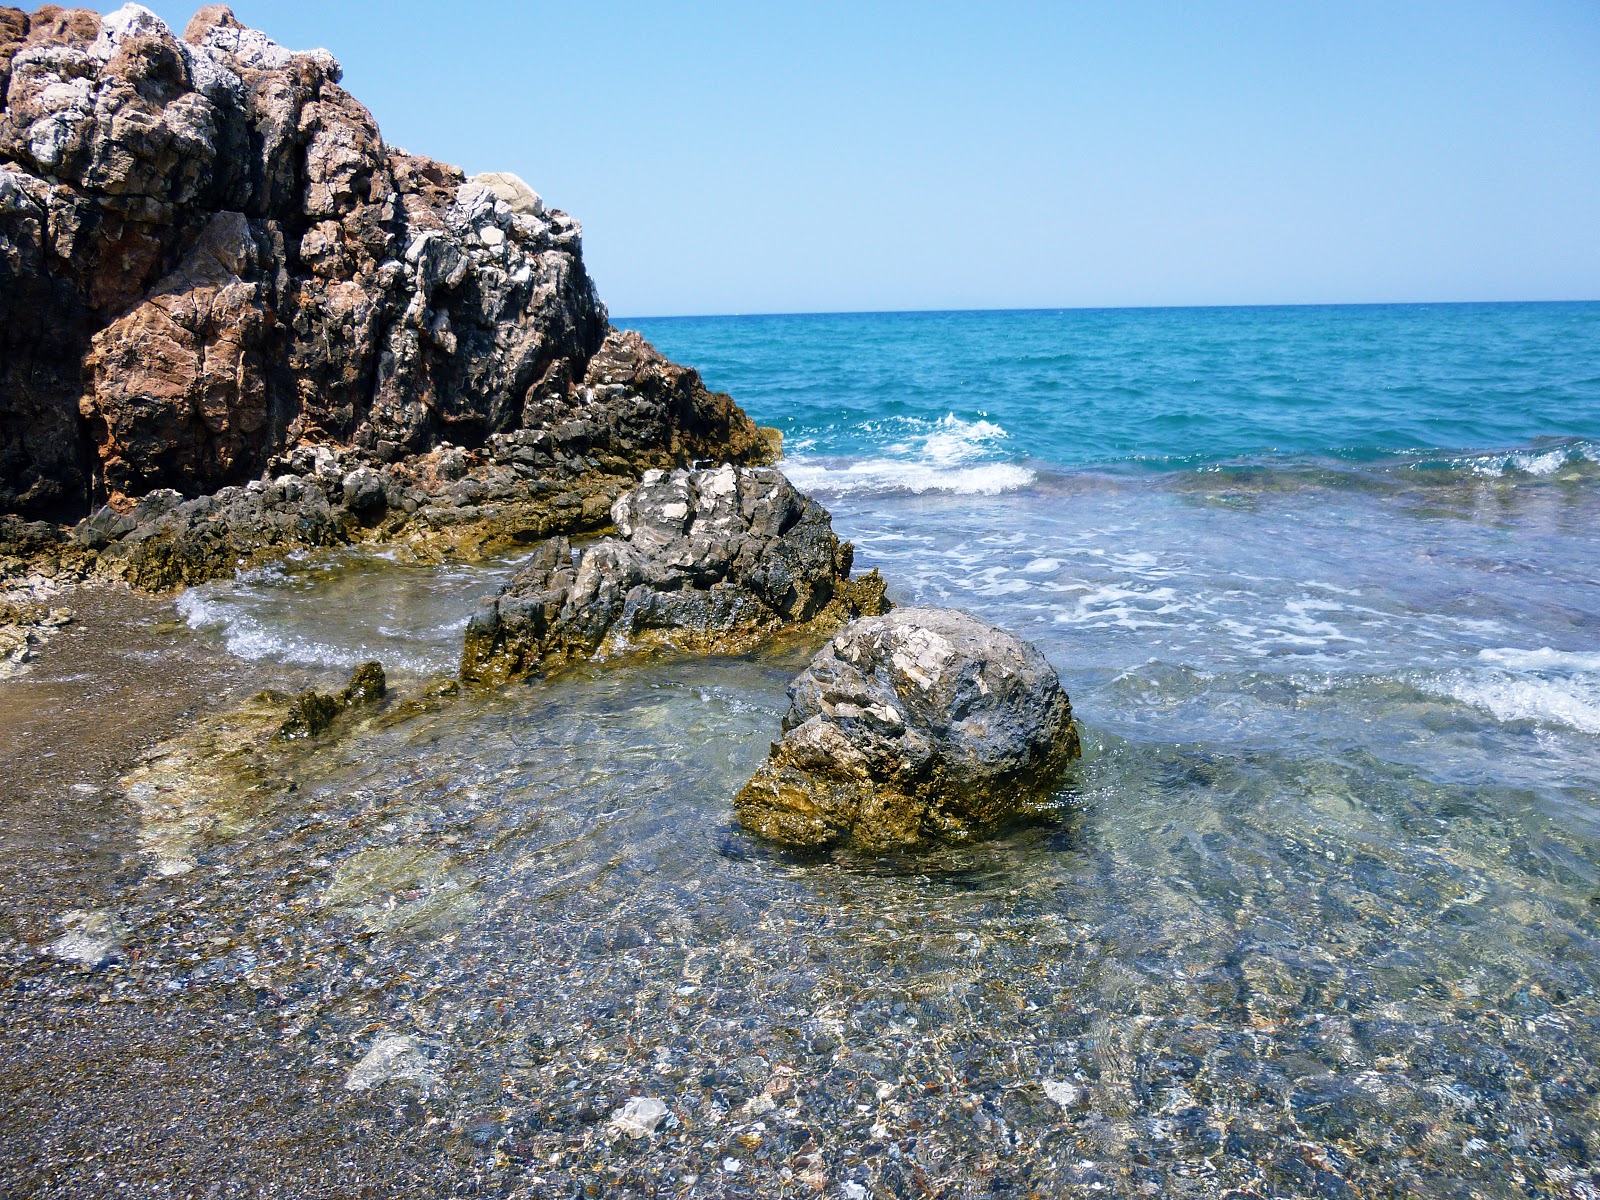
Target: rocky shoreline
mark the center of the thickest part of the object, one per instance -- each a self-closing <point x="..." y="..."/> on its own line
<point x="238" y="324"/>
<point x="234" y="322"/>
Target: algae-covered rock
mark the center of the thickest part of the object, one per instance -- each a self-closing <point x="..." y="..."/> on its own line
<point x="710" y="561"/>
<point x="367" y="685"/>
<point x="925" y="723"/>
<point x="312" y="712"/>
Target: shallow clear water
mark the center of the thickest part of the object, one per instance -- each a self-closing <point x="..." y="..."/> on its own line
<point x="318" y="610"/>
<point x="1322" y="916"/>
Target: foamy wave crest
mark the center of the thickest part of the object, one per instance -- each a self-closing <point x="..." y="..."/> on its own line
<point x="1541" y="660"/>
<point x="1534" y="463"/>
<point x="951" y="440"/>
<point x="1550" y="687"/>
<point x="895" y="475"/>
<point x="947" y="455"/>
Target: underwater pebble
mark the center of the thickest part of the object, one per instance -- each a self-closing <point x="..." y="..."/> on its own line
<point x="393" y="1056"/>
<point x="1065" y="1094"/>
<point x="93" y="937"/>
<point x="639" y="1117"/>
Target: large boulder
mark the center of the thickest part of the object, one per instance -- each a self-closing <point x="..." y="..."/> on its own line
<point x="708" y="560"/>
<point x="209" y="256"/>
<point x="927" y="723"/>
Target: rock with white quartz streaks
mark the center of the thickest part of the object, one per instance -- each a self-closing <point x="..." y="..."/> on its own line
<point x="709" y="561"/>
<point x="926" y="723"/>
<point x="211" y="258"/>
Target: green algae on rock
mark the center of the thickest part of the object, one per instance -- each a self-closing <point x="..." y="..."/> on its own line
<point x="925" y="723"/>
<point x="218" y="777"/>
<point x="707" y="561"/>
<point x="313" y="712"/>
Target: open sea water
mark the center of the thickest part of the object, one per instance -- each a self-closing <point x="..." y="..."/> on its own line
<point x="1321" y="916"/>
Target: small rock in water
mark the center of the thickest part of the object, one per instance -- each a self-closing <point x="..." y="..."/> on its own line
<point x="93" y="937"/>
<point x="639" y="1117"/>
<point x="367" y="685"/>
<point x="925" y="723"/>
<point x="312" y="712"/>
<point x="392" y="1056"/>
<point x="1060" y="1092"/>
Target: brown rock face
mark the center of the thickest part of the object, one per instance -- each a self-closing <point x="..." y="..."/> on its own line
<point x="209" y="255"/>
<point x="179" y="393"/>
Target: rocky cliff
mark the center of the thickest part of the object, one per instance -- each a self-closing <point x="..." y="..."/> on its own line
<point x="214" y="271"/>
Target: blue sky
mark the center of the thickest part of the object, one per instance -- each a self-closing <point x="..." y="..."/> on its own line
<point x="784" y="158"/>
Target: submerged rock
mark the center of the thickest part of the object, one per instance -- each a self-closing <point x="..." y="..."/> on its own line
<point x="638" y="1117"/>
<point x="312" y="712"/>
<point x="925" y="723"/>
<point x="93" y="937"/>
<point x="709" y="561"/>
<point x="25" y="625"/>
<point x="392" y="1056"/>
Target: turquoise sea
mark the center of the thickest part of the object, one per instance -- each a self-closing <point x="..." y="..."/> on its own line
<point x="1367" y="497"/>
<point x="901" y="400"/>
<point x="1321" y="916"/>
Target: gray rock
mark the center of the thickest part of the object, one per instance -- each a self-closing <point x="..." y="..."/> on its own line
<point x="93" y="937"/>
<point x="363" y="490"/>
<point x="709" y="561"/>
<point x="516" y="195"/>
<point x="392" y="1056"/>
<point x="925" y="723"/>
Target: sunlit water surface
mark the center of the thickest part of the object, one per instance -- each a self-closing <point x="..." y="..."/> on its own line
<point x="1319" y="917"/>
<point x="1321" y="906"/>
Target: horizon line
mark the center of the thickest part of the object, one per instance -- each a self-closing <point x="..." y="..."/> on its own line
<point x="1062" y="308"/>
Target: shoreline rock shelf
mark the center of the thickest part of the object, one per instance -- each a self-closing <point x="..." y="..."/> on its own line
<point x="927" y="723"/>
<point x="707" y="561"/>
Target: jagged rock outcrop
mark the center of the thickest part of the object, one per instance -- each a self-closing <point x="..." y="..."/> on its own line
<point x="210" y="259"/>
<point x="924" y="723"/>
<point x="708" y="560"/>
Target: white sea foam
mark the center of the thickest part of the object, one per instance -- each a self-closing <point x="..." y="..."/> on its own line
<point x="899" y="475"/>
<point x="953" y="440"/>
<point x="1569" y="702"/>
<point x="1544" y="659"/>
<point x="1110" y="605"/>
<point x="255" y="640"/>
<point x="951" y="454"/>
<point x="1552" y="687"/>
<point x="1537" y="463"/>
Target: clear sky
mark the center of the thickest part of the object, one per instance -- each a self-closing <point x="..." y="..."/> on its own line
<point x="749" y="157"/>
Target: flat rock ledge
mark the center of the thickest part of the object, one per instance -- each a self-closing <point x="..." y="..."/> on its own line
<point x="707" y="561"/>
<point x="925" y="724"/>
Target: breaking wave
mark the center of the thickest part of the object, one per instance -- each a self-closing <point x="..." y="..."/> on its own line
<point x="951" y="454"/>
